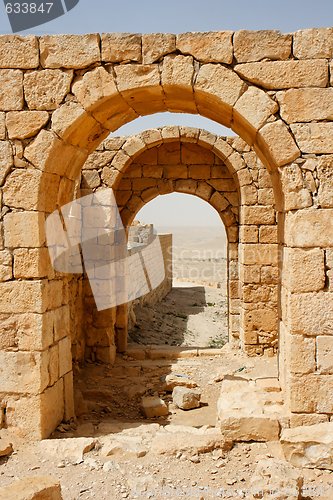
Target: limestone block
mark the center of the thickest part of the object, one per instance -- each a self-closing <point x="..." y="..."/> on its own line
<point x="109" y="176"/>
<point x="325" y="176"/>
<point x="314" y="137"/>
<point x="51" y="409"/>
<point x="219" y="201"/>
<point x="252" y="109"/>
<point x="258" y="253"/>
<point x="260" y="318"/>
<point x="324" y="354"/>
<point x="300" y="354"/>
<point x="140" y="85"/>
<point x="24" y="372"/>
<point x="313" y="43"/>
<point x="301" y="317"/>
<point x="75" y="126"/>
<point x="90" y="179"/>
<point x="207" y="47"/>
<point x="264" y="180"/>
<point x="15" y="225"/>
<point x="69" y="51"/>
<point x="46" y="89"/>
<point x="31" y="189"/>
<point x="2" y="125"/>
<point x="299" y="419"/>
<point x="257" y="215"/>
<point x="53" y="364"/>
<point x="6" y="159"/>
<point x="98" y="159"/>
<point x="34" y="331"/>
<point x="309" y="228"/>
<point x="157" y="45"/>
<point x="32" y="488"/>
<point x="11" y="79"/>
<point x="61" y="322"/>
<point x="276" y="479"/>
<point x="177" y="80"/>
<point x="121" y="47"/>
<point x="32" y="263"/>
<point x="133" y="146"/>
<point x="153" y="406"/>
<point x="185" y="398"/>
<point x="269" y="274"/>
<point x="65" y="356"/>
<point x="293" y="186"/>
<point x="249" y="195"/>
<point x="19" y="52"/>
<point x="306" y="105"/>
<point x="276" y="139"/>
<point x="268" y="234"/>
<point x="50" y="154"/>
<point x="259" y="293"/>
<point x="303" y="270"/>
<point x="248" y="234"/>
<point x="250" y="46"/>
<point x="303" y="391"/>
<point x="216" y="91"/>
<point x="285" y="74"/>
<point x="25" y="124"/>
<point x="6" y="272"/>
<point x="309" y="446"/>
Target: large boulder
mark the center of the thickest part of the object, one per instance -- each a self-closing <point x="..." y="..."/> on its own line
<point x="309" y="446"/>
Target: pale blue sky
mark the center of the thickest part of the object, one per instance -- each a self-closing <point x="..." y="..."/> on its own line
<point x="177" y="16"/>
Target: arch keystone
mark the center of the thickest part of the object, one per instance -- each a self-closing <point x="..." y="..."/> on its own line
<point x="177" y="81"/>
<point x="140" y="86"/>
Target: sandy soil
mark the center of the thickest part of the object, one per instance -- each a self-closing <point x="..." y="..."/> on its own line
<point x="190" y="315"/>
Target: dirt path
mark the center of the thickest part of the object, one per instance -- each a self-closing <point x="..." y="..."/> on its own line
<point x="190" y="315"/>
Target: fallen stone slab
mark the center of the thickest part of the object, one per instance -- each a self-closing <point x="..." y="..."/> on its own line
<point x="173" y="439"/>
<point x="124" y="445"/>
<point x="309" y="446"/>
<point x="276" y="480"/>
<point x="173" y="380"/>
<point x="32" y="488"/>
<point x="71" y="449"/>
<point x="6" y="447"/>
<point x="153" y="406"/>
<point x="186" y="399"/>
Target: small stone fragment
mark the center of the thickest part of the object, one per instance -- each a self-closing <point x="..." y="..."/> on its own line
<point x="185" y="398"/>
<point x="153" y="406"/>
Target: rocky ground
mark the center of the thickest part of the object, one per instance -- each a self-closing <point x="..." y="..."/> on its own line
<point x="114" y="452"/>
<point x="190" y="315"/>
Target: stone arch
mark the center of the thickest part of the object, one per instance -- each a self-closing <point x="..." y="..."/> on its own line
<point x="105" y="100"/>
<point x="101" y="100"/>
<point x="252" y="200"/>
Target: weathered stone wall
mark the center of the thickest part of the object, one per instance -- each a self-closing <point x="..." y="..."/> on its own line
<point x="60" y="96"/>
